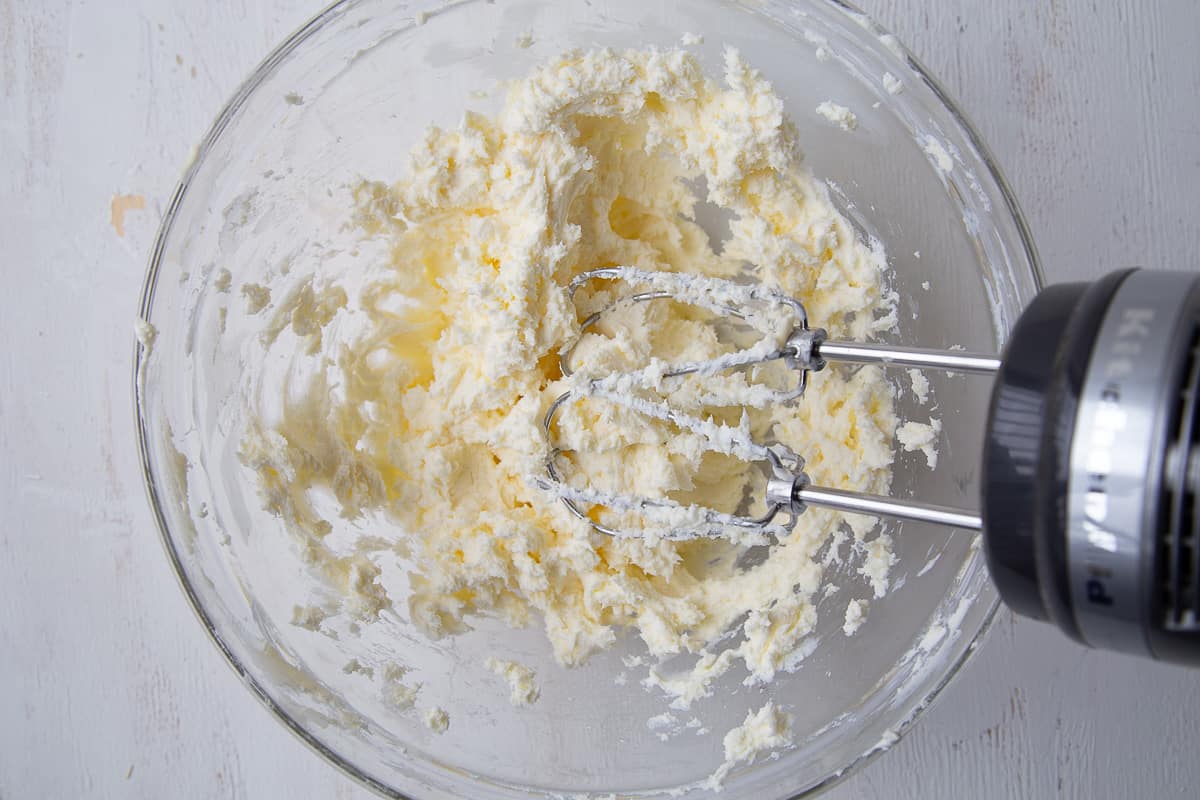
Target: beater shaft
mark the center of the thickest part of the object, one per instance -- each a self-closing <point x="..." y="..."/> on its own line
<point x="873" y="353"/>
<point x="874" y="505"/>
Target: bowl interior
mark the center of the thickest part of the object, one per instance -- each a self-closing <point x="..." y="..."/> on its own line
<point x="268" y="198"/>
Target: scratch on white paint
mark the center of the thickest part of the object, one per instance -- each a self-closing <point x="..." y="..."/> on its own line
<point x="122" y="204"/>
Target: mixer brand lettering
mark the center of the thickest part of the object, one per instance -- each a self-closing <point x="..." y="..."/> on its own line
<point x="1135" y="322"/>
<point x="1109" y="420"/>
<point x="1131" y="332"/>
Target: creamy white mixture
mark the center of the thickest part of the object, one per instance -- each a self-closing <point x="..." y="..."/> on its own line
<point x="145" y="333"/>
<point x="938" y="155"/>
<point x="921" y="436"/>
<point x="765" y="729"/>
<point x="856" y="615"/>
<point x="436" y="719"/>
<point x="839" y="115"/>
<point x="920" y="385"/>
<point x="425" y="391"/>
<point x="522" y="690"/>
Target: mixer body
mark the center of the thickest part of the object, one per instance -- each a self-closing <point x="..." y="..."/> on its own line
<point x="1091" y="470"/>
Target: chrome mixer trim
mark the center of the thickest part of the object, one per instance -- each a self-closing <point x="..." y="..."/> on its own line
<point x="1116" y="458"/>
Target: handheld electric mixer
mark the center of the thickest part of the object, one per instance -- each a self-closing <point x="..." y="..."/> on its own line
<point x="1091" y="469"/>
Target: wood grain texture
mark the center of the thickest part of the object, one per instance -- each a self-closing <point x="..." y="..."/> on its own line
<point x="108" y="688"/>
<point x="1090" y="110"/>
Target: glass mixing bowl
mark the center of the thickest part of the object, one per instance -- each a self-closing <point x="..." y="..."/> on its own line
<point x="267" y="197"/>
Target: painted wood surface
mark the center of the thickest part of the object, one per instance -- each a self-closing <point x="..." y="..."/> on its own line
<point x="108" y="687"/>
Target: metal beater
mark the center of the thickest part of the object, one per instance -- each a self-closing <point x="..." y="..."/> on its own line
<point x="1091" y="472"/>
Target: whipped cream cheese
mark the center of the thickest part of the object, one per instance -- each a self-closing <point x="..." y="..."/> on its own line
<point x="838" y="114"/>
<point x="768" y="728"/>
<point x="523" y="690"/>
<point x="424" y="391"/>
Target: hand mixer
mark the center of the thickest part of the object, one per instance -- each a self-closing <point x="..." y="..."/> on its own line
<point x="1090" y="473"/>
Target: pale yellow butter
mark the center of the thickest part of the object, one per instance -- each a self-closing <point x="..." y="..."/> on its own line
<point x="428" y="410"/>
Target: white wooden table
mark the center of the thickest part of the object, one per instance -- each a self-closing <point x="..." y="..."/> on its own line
<point x="107" y="686"/>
